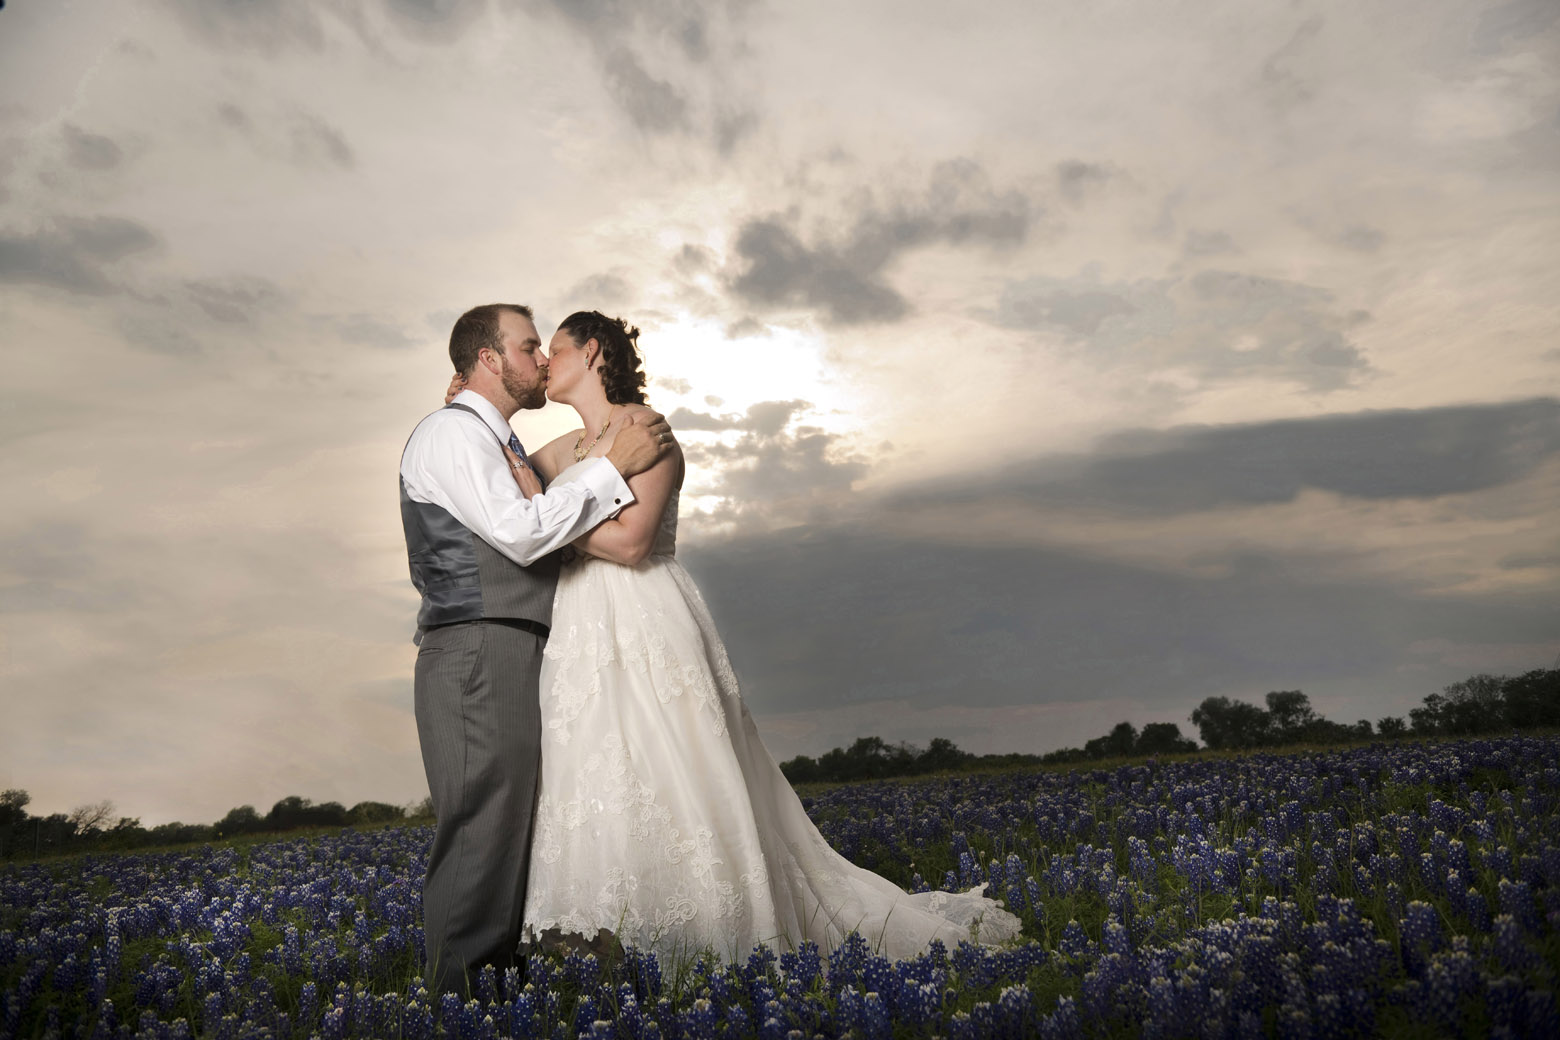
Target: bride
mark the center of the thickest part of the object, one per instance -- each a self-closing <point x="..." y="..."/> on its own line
<point x="662" y="818"/>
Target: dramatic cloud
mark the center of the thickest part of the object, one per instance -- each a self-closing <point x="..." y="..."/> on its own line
<point x="1043" y="619"/>
<point x="1418" y="454"/>
<point x="847" y="279"/>
<point x="71" y="253"/>
<point x="804" y="615"/>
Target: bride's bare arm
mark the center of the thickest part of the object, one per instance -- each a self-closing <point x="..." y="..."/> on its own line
<point x="630" y="536"/>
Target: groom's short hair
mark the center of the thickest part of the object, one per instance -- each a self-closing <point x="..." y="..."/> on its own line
<point x="478" y="328"/>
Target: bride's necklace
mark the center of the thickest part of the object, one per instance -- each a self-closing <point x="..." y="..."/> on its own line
<point x="581" y="449"/>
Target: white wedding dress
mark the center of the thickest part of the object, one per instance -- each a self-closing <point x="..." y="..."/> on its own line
<point x="663" y="819"/>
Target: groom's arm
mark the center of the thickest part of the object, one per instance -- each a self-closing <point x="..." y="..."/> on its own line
<point x="455" y="462"/>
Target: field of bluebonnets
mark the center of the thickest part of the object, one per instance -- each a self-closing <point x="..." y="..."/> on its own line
<point x="1396" y="889"/>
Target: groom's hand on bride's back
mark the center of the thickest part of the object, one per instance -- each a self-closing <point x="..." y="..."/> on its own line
<point x="643" y="440"/>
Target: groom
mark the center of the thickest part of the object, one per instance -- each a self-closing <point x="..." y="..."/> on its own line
<point x="481" y="536"/>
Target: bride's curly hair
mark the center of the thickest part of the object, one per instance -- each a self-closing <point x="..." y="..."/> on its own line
<point x="621" y="374"/>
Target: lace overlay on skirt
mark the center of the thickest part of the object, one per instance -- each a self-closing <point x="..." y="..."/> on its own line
<point x="662" y="817"/>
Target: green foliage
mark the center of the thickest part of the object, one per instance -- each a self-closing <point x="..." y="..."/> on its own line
<point x="872" y="758"/>
<point x="375" y="812"/>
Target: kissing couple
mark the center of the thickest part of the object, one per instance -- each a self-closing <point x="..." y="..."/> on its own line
<point x="592" y="765"/>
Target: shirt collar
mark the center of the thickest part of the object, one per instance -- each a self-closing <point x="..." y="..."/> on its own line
<point x="488" y="411"/>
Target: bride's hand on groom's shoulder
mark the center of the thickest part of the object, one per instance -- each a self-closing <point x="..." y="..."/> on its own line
<point x="457" y="384"/>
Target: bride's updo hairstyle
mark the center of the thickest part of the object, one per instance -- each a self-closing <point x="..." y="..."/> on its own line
<point x="621" y="374"/>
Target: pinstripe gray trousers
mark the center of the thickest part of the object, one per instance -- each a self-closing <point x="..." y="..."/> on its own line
<point x="479" y="723"/>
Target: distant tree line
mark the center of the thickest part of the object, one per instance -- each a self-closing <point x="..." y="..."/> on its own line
<point x="94" y="827"/>
<point x="871" y="758"/>
<point x="1479" y="704"/>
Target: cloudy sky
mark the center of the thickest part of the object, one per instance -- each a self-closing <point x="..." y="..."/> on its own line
<point x="1041" y="369"/>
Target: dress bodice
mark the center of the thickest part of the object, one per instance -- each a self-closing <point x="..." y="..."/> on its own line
<point x="666" y="534"/>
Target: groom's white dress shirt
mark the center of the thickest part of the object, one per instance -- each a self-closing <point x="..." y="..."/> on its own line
<point x="452" y="462"/>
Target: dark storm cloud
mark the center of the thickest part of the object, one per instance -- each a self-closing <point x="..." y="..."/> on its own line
<point x="847" y="609"/>
<point x="1369" y="455"/>
<point x="835" y="614"/>
<point x="1218" y="324"/>
<point x="846" y="278"/>
<point x="88" y="151"/>
<point x="72" y="253"/>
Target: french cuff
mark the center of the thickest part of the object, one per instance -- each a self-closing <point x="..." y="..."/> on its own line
<point x="607" y="485"/>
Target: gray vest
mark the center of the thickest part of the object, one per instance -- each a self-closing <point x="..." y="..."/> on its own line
<point x="463" y="578"/>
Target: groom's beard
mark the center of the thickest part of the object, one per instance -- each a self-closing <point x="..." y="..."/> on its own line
<point x="526" y="393"/>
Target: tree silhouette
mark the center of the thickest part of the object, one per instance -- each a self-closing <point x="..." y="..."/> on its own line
<point x="1224" y="723"/>
<point x="94" y="817"/>
<point x="1162" y="738"/>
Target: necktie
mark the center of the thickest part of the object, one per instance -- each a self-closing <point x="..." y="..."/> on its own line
<point x="514" y="446"/>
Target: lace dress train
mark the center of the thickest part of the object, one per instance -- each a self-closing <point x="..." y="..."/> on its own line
<point x="663" y="819"/>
